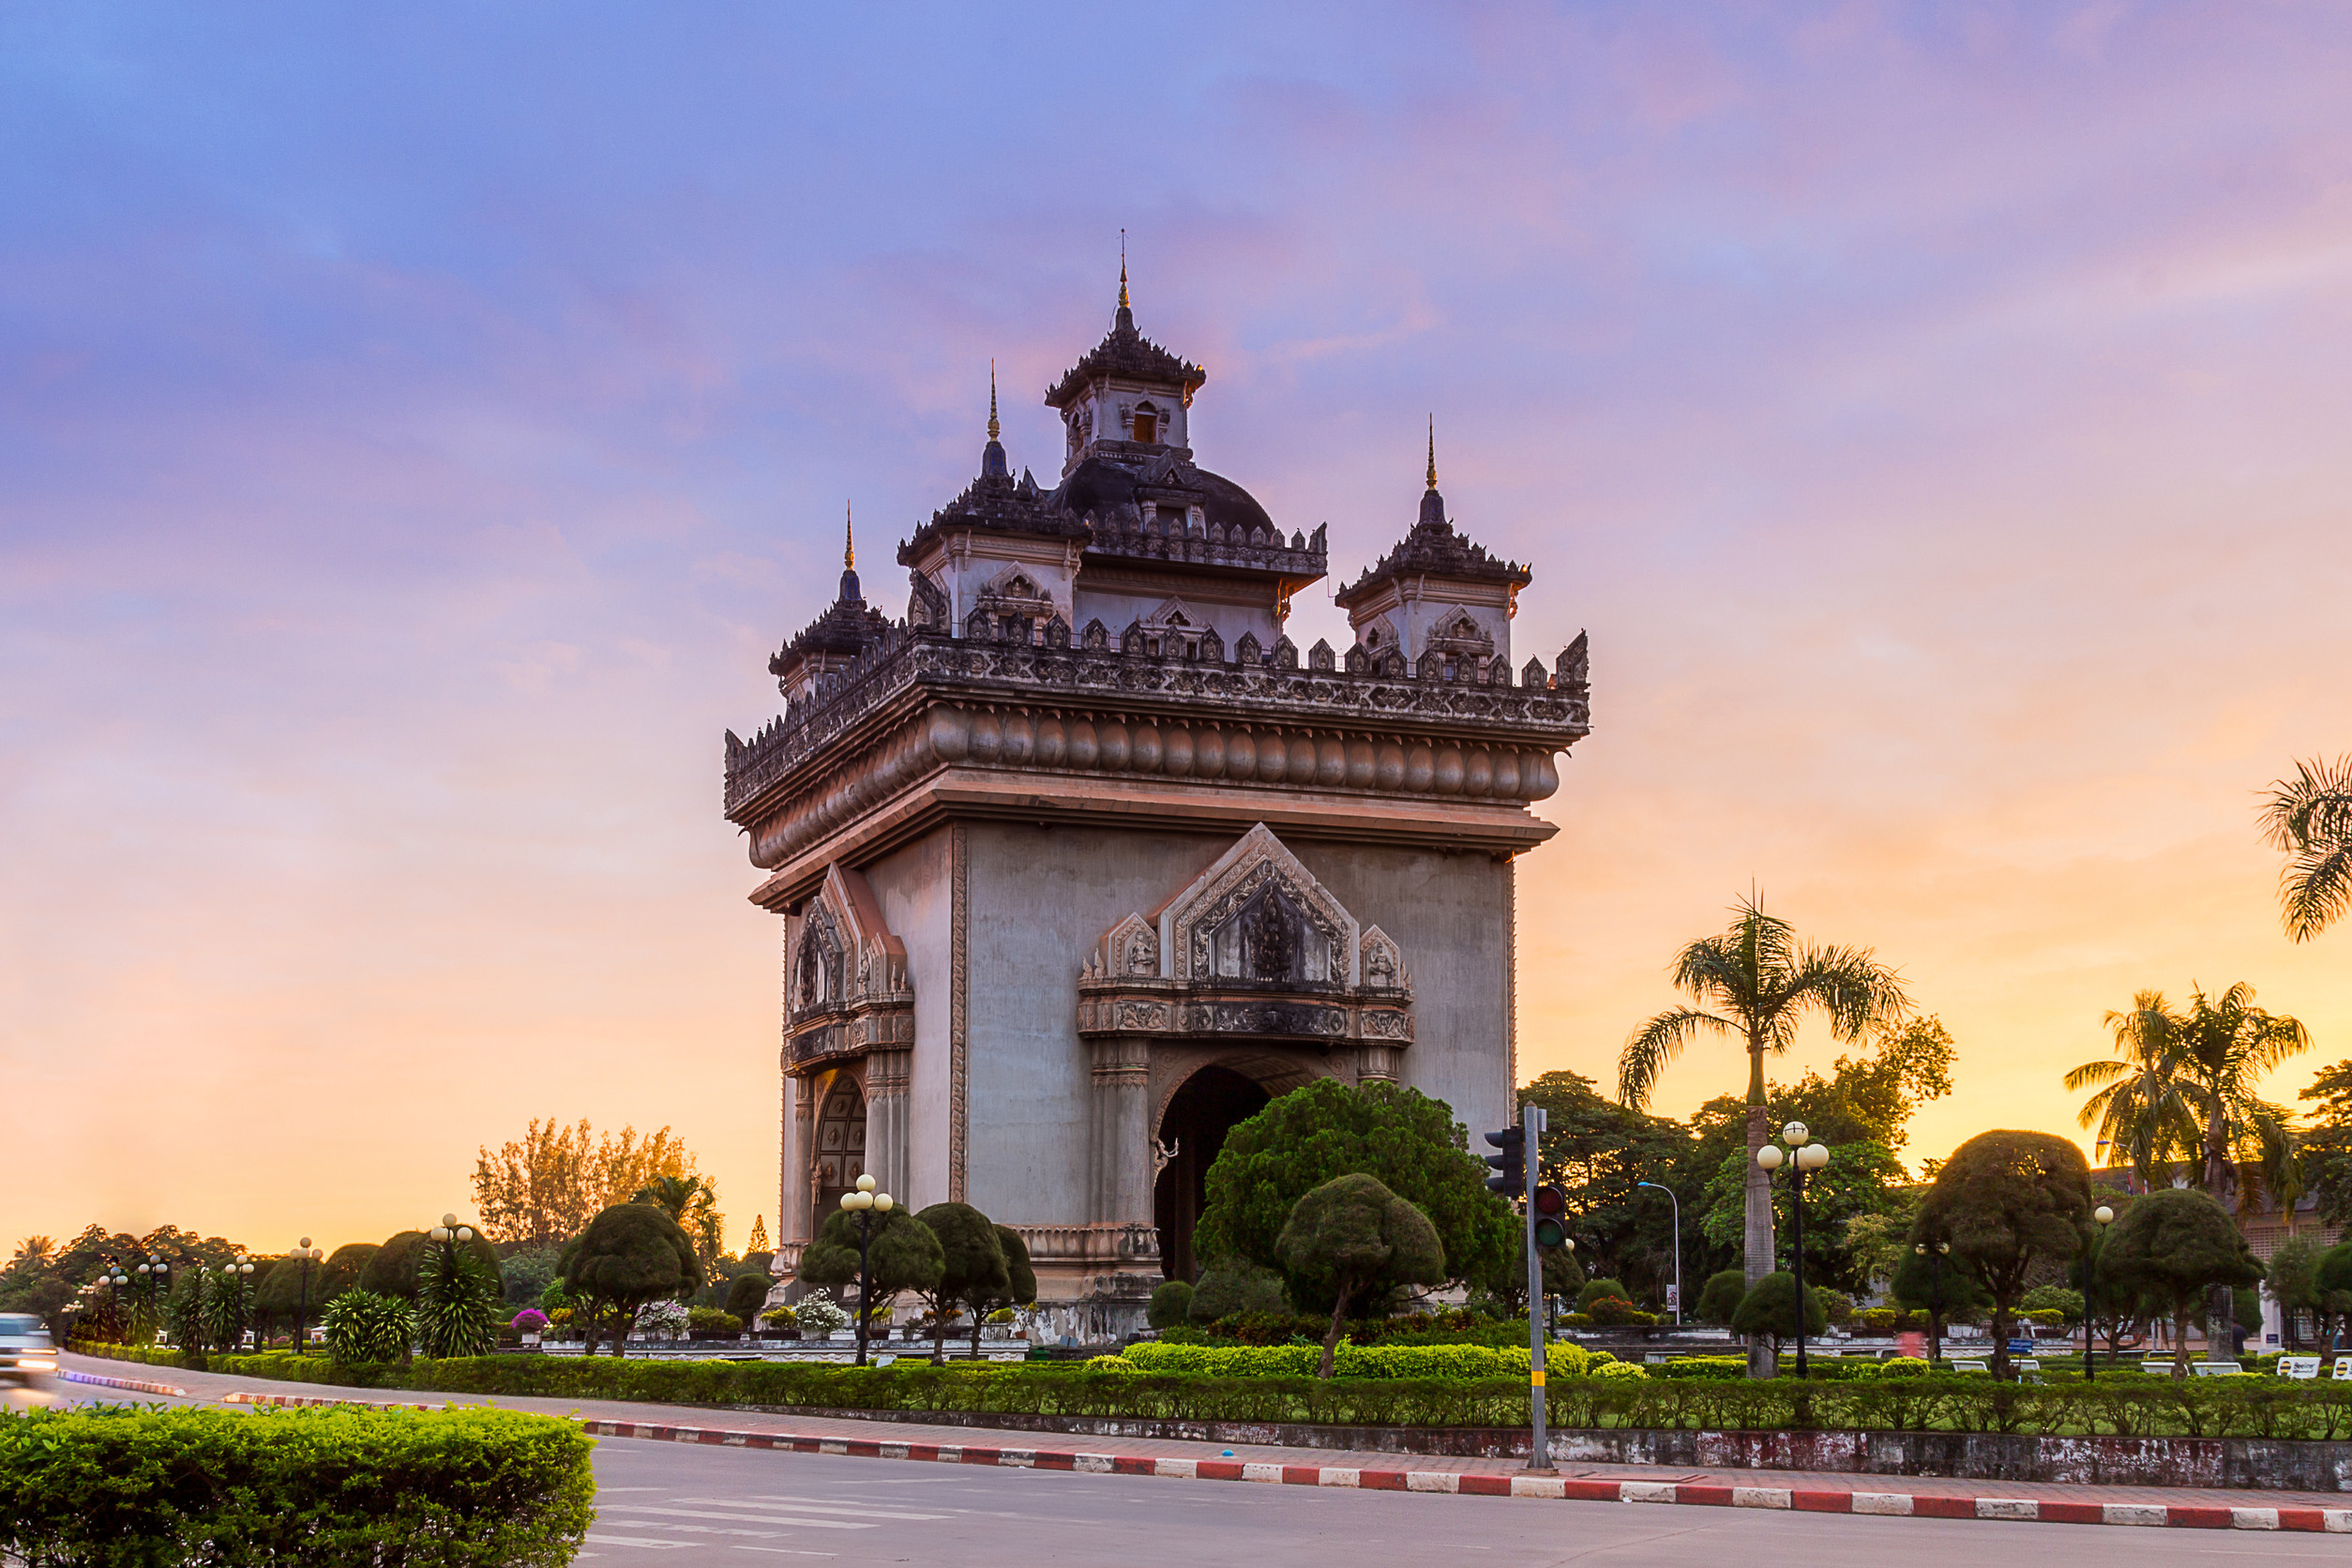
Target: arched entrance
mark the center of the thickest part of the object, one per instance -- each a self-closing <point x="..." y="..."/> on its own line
<point x="1198" y="1116"/>
<point x="841" y="1153"/>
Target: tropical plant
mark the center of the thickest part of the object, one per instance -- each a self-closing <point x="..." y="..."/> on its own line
<point x="184" y="1310"/>
<point x="973" y="1266"/>
<point x="2175" y="1245"/>
<point x="228" y="1307"/>
<point x="2309" y="818"/>
<point x="392" y="1269"/>
<point x="692" y="1200"/>
<point x="2181" y="1087"/>
<point x="2007" y="1201"/>
<point x="1407" y="1141"/>
<point x="1353" y="1238"/>
<point x="364" y="1326"/>
<point x="631" y="1254"/>
<point x="1762" y="982"/>
<point x="666" y="1317"/>
<point x="459" y="1298"/>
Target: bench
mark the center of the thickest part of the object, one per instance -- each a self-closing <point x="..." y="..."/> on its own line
<point x="2217" y="1370"/>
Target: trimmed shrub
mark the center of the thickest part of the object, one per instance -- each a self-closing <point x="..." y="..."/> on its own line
<point x="1719" y="1298"/>
<point x="1229" y="1288"/>
<point x="1617" y="1312"/>
<point x="711" y="1319"/>
<point x="470" y="1486"/>
<point x="1171" y="1304"/>
<point x="1596" y="1289"/>
<point x="745" y="1293"/>
<point x="391" y="1269"/>
<point x="1771" y="1309"/>
<point x="1362" y="1361"/>
<point x="362" y="1327"/>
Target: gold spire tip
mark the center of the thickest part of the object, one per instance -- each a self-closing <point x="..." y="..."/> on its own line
<point x="848" y="540"/>
<point x="1123" y="270"/>
<point x="992" y="425"/>
<point x="1433" y="451"/>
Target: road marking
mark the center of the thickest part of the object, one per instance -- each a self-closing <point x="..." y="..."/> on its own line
<point x="738" y="1518"/>
<point x="638" y="1541"/>
<point x="812" y="1505"/>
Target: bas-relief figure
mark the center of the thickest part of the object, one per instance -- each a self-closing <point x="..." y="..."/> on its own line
<point x="1060" y="907"/>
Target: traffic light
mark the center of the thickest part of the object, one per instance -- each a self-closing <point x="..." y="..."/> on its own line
<point x="1511" y="1165"/>
<point x="1551" y="1215"/>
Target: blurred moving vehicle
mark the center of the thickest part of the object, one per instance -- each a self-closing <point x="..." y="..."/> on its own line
<point x="26" y="1352"/>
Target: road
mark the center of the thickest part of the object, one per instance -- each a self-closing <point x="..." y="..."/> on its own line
<point x="715" y="1504"/>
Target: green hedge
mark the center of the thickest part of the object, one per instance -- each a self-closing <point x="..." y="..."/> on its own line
<point x="121" y="1485"/>
<point x="1364" y="1361"/>
<point x="2128" y="1405"/>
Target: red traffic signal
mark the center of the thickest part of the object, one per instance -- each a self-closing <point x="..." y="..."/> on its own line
<point x="1551" y="1215"/>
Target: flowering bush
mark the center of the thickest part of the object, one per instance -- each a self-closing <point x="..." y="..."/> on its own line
<point x="710" y="1320"/>
<point x="1616" y="1311"/>
<point x="529" y="1320"/>
<point x="822" y="1314"/>
<point x="666" y="1317"/>
<point x="779" y="1318"/>
<point x="1002" y="1315"/>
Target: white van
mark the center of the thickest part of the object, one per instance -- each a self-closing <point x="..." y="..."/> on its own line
<point x="26" y="1349"/>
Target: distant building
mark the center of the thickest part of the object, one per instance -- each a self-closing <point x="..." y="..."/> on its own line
<point x="1083" y="859"/>
<point x="2266" y="1223"/>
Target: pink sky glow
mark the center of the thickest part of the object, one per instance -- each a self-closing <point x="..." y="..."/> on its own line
<point x="416" y="429"/>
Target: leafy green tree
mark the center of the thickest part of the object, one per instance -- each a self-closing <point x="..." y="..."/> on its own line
<point x="1599" y="1154"/>
<point x="184" y="1311"/>
<point x="692" y="1200"/>
<point x="2309" y="818"/>
<point x="746" y="1293"/>
<point x="391" y="1269"/>
<point x="1408" y="1142"/>
<point x="2334" y="1276"/>
<point x="1351" y="1239"/>
<point x="1718" y="1299"/>
<point x="973" y="1266"/>
<point x="2325" y="1146"/>
<point x="1769" y="1310"/>
<point x="1870" y="1098"/>
<point x="1562" y="1276"/>
<point x="2182" y="1086"/>
<point x="228" y="1307"/>
<point x="1861" y="1179"/>
<point x="2174" y="1245"/>
<point x="1762" y="982"/>
<point x="2292" y="1276"/>
<point x="1943" y="1290"/>
<point x="2008" y="1201"/>
<point x="1875" y="1244"/>
<point x="1229" y="1287"/>
<point x="527" y="1272"/>
<point x="631" y="1256"/>
<point x="1018" y="1289"/>
<point x="2064" y="1300"/>
<point x="905" y="1255"/>
<point x="1171" y="1304"/>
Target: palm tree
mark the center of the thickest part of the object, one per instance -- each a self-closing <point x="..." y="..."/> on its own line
<point x="1762" y="982"/>
<point x="2310" y="817"/>
<point x="693" y="1202"/>
<point x="2181" y="1087"/>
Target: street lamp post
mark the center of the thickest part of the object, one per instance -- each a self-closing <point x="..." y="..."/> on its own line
<point x="154" y="1275"/>
<point x="1677" y="1246"/>
<point x="1936" y="1290"/>
<point x="309" y="1255"/>
<point x="239" y="1277"/>
<point x="2105" y="1216"/>
<point x="1807" y="1157"/>
<point x="864" y="1203"/>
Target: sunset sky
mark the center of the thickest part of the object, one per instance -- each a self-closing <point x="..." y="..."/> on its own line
<point x="418" y="425"/>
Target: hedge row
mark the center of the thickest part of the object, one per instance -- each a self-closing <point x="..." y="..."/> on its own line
<point x="2128" y="1407"/>
<point x="106" y="1486"/>
<point x="1368" y="1361"/>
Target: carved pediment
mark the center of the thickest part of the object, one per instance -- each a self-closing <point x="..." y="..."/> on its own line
<point x="1257" y="915"/>
<point x="845" y="956"/>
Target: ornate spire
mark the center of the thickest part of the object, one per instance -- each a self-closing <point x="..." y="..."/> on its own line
<point x="1433" y="451"/>
<point x="1432" y="503"/>
<point x="848" y="539"/>
<point x="992" y="463"/>
<point x="1125" y="319"/>
<point x="993" y="432"/>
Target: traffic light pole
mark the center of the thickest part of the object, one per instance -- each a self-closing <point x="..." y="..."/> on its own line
<point x="1539" y="1457"/>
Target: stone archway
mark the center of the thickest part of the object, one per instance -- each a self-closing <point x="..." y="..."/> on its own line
<point x="840" y="1145"/>
<point x="1192" y="1129"/>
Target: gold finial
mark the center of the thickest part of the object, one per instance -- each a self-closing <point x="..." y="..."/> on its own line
<point x="1433" y="451"/>
<point x="992" y="427"/>
<point x="848" y="540"/>
<point x="1123" y="270"/>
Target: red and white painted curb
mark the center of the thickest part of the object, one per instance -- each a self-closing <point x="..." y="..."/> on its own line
<point x="1915" y="1505"/>
<point x="133" y="1384"/>
<point x="1923" y="1505"/>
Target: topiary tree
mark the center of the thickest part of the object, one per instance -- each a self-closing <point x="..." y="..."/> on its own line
<point x="1939" y="1287"/>
<point x="391" y="1269"/>
<point x="1770" y="1309"/>
<point x="1353" y="1238"/>
<point x="2007" y="1201"/>
<point x="1018" y="1289"/>
<point x="2172" y="1245"/>
<point x="905" y="1255"/>
<point x="973" y="1265"/>
<point x="1407" y="1141"/>
<point x="631" y="1256"/>
<point x="1171" y="1304"/>
<point x="1719" y="1298"/>
<point x="1230" y="1286"/>
<point x="1594" y="1290"/>
<point x="746" y="1293"/>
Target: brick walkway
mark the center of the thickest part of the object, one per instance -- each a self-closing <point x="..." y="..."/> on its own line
<point x="1831" y="1492"/>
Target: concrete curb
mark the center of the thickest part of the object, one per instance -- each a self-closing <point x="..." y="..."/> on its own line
<point x="133" y="1384"/>
<point x="1913" y="1505"/>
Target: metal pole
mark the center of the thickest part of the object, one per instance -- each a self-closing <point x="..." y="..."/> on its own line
<point x="865" y="1278"/>
<point x="1677" y="1245"/>
<point x="1539" y="1453"/>
<point x="2091" y="1282"/>
<point x="1797" y="1214"/>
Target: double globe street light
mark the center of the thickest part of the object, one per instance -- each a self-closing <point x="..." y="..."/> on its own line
<point x="308" y="1257"/>
<point x="1807" y="1156"/>
<point x="2105" y="1216"/>
<point x="864" y="1203"/>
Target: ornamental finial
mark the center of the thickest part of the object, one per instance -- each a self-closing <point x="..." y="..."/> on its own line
<point x="848" y="540"/>
<point x="1433" y="451"/>
<point x="992" y="426"/>
<point x="1123" y="270"/>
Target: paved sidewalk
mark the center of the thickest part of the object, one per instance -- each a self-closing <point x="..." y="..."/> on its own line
<point x="1809" y="1491"/>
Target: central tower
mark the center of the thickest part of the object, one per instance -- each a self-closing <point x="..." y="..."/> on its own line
<point x="1083" y="859"/>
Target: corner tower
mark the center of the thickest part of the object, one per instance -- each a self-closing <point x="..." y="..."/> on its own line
<point x="1084" y="859"/>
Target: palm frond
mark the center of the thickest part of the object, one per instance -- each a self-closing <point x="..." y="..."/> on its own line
<point x="2315" y="889"/>
<point x="2104" y="1070"/>
<point x="1655" y="1044"/>
<point x="1848" y="985"/>
<point x="1715" y="969"/>
<point x="2313" y="807"/>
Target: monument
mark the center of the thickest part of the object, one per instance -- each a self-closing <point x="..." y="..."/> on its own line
<point x="1083" y="859"/>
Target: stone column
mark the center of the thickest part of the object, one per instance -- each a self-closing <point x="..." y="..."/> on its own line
<point x="887" y="1154"/>
<point x="793" y="1213"/>
<point x="1122" y="1175"/>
